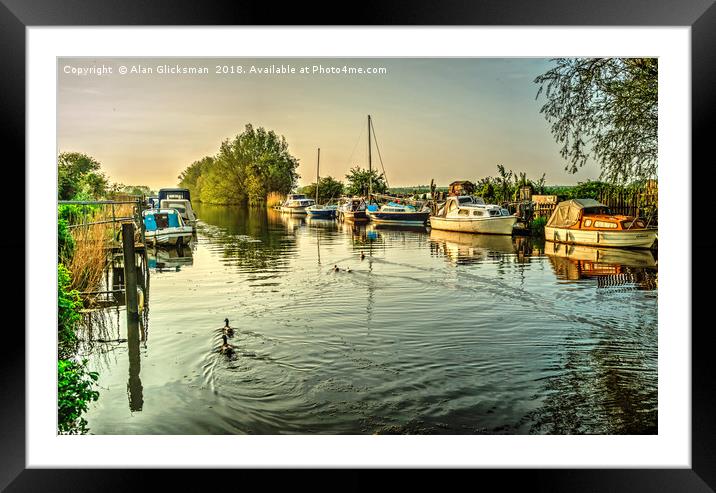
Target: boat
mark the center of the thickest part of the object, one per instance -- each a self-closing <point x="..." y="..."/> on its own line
<point x="166" y="227"/>
<point x="394" y="213"/>
<point x="183" y="207"/>
<point x="320" y="211"/>
<point x="588" y="222"/>
<point x="352" y="209"/>
<point x="296" y="203"/>
<point x="467" y="214"/>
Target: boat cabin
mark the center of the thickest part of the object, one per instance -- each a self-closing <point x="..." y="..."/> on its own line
<point x="174" y="193"/>
<point x="468" y="206"/>
<point x="157" y="219"/>
<point x="183" y="206"/>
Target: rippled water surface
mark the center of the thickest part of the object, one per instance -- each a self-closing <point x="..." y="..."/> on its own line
<point x="432" y="332"/>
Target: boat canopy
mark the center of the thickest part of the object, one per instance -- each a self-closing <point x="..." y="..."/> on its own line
<point x="569" y="212"/>
<point x="161" y="219"/>
<point x="174" y="193"/>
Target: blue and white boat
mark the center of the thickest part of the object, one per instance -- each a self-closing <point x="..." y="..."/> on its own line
<point x="394" y="213"/>
<point x="165" y="227"/>
<point x="319" y="211"/>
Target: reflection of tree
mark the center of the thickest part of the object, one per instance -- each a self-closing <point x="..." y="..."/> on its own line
<point x="253" y="238"/>
<point x="610" y="389"/>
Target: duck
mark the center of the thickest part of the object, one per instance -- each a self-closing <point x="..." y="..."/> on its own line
<point x="335" y="268"/>
<point x="349" y="269"/>
<point x="362" y="255"/>
<point x="226" y="348"/>
<point x="229" y="331"/>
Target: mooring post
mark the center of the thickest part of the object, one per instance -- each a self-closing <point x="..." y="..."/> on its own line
<point x="130" y="273"/>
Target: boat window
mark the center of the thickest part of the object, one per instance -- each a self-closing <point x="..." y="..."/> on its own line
<point x="587" y="222"/>
<point x="465" y="200"/>
<point x="162" y="220"/>
<point x="604" y="224"/>
<point x="463" y="212"/>
<point x="505" y="212"/>
<point x="478" y="213"/>
<point x="494" y="212"/>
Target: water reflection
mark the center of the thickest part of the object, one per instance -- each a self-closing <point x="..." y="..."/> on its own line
<point x="467" y="248"/>
<point x="609" y="266"/>
<point x="170" y="259"/>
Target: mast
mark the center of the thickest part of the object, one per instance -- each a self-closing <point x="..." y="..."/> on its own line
<point x="370" y="165"/>
<point x="318" y="180"/>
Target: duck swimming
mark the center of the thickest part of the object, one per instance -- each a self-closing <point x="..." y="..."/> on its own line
<point x="335" y="268"/>
<point x="226" y="348"/>
<point x="229" y="331"/>
<point x="362" y="255"/>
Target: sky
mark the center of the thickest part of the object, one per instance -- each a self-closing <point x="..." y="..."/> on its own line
<point x="443" y="118"/>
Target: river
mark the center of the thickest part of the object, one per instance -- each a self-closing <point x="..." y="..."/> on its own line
<point x="431" y="333"/>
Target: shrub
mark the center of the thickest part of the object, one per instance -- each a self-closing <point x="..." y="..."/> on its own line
<point x="537" y="226"/>
<point x="65" y="241"/>
<point x="74" y="393"/>
<point x="68" y="306"/>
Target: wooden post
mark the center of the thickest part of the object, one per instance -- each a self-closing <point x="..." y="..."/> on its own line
<point x="130" y="273"/>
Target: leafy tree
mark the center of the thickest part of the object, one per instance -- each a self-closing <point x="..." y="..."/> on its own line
<point x="246" y="169"/>
<point x="607" y="109"/>
<point x="329" y="188"/>
<point x="359" y="179"/>
<point x="539" y="186"/>
<point x="503" y="182"/>
<point x="74" y="393"/>
<point x="78" y="173"/>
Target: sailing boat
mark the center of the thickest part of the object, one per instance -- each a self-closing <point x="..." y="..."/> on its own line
<point x="317" y="210"/>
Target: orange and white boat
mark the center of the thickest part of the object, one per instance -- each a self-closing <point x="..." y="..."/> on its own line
<point x="588" y="222"/>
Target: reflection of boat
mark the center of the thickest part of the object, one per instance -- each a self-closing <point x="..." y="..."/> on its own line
<point x="470" y="247"/>
<point x="468" y="214"/>
<point x="169" y="258"/>
<point x="166" y="227"/>
<point x="595" y="256"/>
<point x="296" y="203"/>
<point x="392" y="213"/>
<point x="588" y="222"/>
<point x="352" y="209"/>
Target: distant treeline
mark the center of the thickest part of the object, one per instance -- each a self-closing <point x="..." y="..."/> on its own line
<point x="246" y="169"/>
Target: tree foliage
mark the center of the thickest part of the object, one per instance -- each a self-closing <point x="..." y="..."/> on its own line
<point x="329" y="188"/>
<point x="359" y="180"/>
<point x="74" y="393"/>
<point x="607" y="109"/>
<point x="78" y="174"/>
<point x="246" y="169"/>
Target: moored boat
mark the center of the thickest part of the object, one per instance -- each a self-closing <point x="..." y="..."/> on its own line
<point x="466" y="214"/>
<point x="588" y="222"/>
<point x="296" y="203"/>
<point x="166" y="227"/>
<point x="352" y="209"/>
<point x="183" y="206"/>
<point x="319" y="211"/>
<point x="393" y="213"/>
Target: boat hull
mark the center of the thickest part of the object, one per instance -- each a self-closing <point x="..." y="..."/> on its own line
<point x="405" y="218"/>
<point x="500" y="225"/>
<point x="169" y="236"/>
<point x="353" y="215"/>
<point x="293" y="210"/>
<point x="322" y="213"/>
<point x="640" y="238"/>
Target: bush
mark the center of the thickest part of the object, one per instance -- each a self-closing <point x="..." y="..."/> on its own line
<point x="74" y="393"/>
<point x="68" y="307"/>
<point x="537" y="226"/>
<point x="65" y="241"/>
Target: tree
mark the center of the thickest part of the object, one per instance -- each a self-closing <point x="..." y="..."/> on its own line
<point x="78" y="174"/>
<point x="504" y="183"/>
<point x="607" y="109"/>
<point x="246" y="169"/>
<point x="359" y="180"/>
<point x="329" y="188"/>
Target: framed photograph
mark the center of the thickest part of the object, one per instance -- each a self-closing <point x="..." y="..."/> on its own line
<point x="429" y="240"/>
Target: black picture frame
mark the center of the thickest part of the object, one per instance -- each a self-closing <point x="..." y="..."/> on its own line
<point x="700" y="15"/>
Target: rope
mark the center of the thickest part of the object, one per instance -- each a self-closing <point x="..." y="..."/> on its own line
<point x="385" y="176"/>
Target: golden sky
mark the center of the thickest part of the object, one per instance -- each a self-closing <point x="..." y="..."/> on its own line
<point x="443" y="118"/>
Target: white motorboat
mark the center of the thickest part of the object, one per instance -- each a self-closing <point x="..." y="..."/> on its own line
<point x="466" y="214"/>
<point x="166" y="227"/>
<point x="296" y="203"/>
